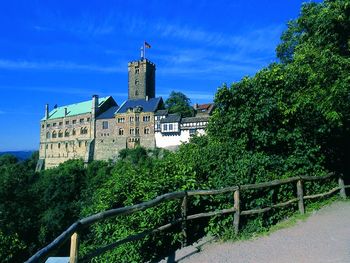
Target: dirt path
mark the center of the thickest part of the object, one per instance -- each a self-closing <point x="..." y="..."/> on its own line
<point x="323" y="237"/>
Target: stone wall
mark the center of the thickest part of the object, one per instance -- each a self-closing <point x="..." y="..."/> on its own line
<point x="66" y="145"/>
<point x="141" y="79"/>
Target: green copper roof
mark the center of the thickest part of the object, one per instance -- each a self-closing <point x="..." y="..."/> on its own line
<point x="74" y="109"/>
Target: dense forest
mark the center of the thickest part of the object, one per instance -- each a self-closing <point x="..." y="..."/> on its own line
<point x="291" y="118"/>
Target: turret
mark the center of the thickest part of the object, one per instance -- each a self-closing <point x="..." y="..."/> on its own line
<point x="46" y="111"/>
<point x="94" y="110"/>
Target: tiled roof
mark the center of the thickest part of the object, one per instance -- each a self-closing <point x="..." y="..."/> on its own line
<point x="161" y="112"/>
<point x="171" y="118"/>
<point x="204" y="106"/>
<point x="74" y="109"/>
<point x="150" y="105"/>
<point x="109" y="114"/>
<point x="194" y="119"/>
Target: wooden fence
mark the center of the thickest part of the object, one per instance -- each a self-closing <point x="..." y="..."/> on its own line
<point x="73" y="231"/>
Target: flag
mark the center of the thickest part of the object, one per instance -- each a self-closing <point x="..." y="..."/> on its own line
<point x="147" y="45"/>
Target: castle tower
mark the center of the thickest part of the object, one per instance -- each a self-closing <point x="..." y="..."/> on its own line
<point x="141" y="83"/>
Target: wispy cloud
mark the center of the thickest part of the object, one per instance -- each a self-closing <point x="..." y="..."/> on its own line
<point x="255" y="39"/>
<point x="57" y="65"/>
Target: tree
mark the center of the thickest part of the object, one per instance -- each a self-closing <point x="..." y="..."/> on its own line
<point x="179" y="103"/>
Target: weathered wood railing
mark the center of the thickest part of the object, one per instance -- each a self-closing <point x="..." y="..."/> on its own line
<point x="73" y="231"/>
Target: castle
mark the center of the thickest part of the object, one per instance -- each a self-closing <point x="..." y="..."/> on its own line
<point x="99" y="128"/>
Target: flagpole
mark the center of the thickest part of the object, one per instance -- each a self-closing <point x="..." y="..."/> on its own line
<point x="144" y="49"/>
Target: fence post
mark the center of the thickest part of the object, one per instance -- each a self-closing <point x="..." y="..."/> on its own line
<point x="342" y="187"/>
<point x="184" y="220"/>
<point x="237" y="212"/>
<point x="74" y="248"/>
<point x="300" y="193"/>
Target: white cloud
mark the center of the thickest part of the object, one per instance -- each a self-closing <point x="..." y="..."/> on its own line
<point x="57" y="65"/>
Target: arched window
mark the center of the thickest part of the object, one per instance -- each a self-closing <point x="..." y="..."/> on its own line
<point x="48" y="135"/>
<point x="66" y="133"/>
<point x="74" y="132"/>
<point x="60" y="134"/>
<point x="121" y="131"/>
<point x="83" y="130"/>
<point x="54" y="134"/>
<point x="59" y="145"/>
<point x="146" y="131"/>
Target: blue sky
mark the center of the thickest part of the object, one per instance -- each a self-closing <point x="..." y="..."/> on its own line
<point x="62" y="52"/>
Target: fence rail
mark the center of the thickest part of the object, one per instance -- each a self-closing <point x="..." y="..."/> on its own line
<point x="73" y="231"/>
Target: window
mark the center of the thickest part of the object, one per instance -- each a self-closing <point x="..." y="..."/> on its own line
<point x="54" y="124"/>
<point x="137" y="131"/>
<point x="74" y="132"/>
<point x="137" y="118"/>
<point x="105" y="125"/>
<point x="192" y="131"/>
<point x="132" y="131"/>
<point x="165" y="127"/>
<point x="66" y="145"/>
<point x="51" y="146"/>
<point x="47" y="135"/>
<point x="47" y="146"/>
<point x="66" y="133"/>
<point x="81" y="120"/>
<point x="54" y="134"/>
<point x="136" y="82"/>
<point x="131" y="119"/>
<point x="146" y="131"/>
<point x="79" y="144"/>
<point x="137" y="70"/>
<point x="67" y="122"/>
<point x="74" y="121"/>
<point x="48" y="125"/>
<point x="59" y="145"/>
<point x="146" y="118"/>
<point x="83" y="130"/>
<point x="42" y="126"/>
<point x="60" y="123"/>
<point x="87" y="119"/>
<point x="158" y="126"/>
<point x="121" y="132"/>
<point x="60" y="134"/>
<point x="170" y="127"/>
<point x="121" y="120"/>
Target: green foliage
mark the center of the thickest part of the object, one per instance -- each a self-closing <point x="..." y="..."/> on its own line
<point x="179" y="103"/>
<point x="290" y="119"/>
<point x="60" y="194"/>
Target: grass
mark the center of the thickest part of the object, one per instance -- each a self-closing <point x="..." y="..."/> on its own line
<point x="310" y="209"/>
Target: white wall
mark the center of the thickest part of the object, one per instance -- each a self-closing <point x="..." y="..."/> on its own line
<point x="165" y="141"/>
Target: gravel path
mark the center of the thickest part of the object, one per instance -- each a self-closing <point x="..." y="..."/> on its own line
<point x="323" y="237"/>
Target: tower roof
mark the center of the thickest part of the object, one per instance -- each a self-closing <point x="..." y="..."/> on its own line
<point x="150" y="105"/>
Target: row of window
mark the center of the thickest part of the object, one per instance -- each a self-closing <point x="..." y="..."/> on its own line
<point x="134" y="119"/>
<point x="59" y="134"/>
<point x="193" y="124"/>
<point x="65" y="145"/>
<point x="54" y="124"/>
<point x="135" y="131"/>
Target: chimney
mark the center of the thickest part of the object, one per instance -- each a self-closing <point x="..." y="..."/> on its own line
<point x="94" y="105"/>
<point x="46" y="111"/>
<point x="65" y="112"/>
